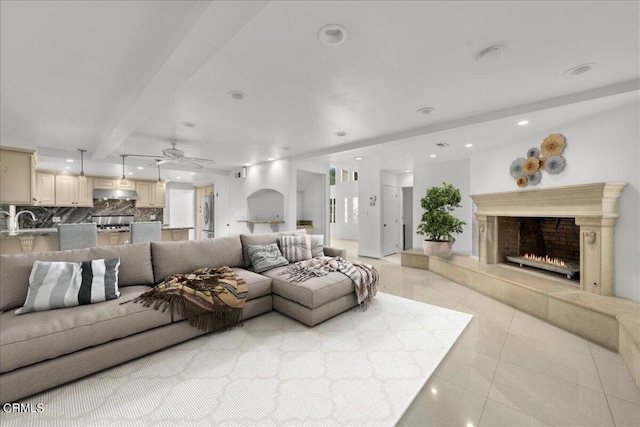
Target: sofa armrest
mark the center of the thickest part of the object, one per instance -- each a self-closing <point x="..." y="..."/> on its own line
<point x="329" y="251"/>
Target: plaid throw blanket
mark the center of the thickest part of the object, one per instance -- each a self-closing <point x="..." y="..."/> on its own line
<point x="364" y="276"/>
<point x="210" y="298"/>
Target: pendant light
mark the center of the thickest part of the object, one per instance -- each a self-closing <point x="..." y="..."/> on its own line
<point x="82" y="178"/>
<point x="123" y="178"/>
<point x="159" y="184"/>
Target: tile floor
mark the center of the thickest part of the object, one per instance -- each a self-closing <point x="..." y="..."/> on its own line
<point x="509" y="368"/>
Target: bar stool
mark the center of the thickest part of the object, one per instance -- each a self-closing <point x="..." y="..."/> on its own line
<point x="143" y="232"/>
<point x="77" y="236"/>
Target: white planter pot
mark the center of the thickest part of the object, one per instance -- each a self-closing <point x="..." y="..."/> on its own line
<point x="438" y="249"/>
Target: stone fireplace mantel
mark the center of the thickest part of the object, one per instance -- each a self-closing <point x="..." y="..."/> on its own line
<point x="594" y="207"/>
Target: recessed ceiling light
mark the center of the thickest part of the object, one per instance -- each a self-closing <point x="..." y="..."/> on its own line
<point x="490" y="54"/>
<point x="178" y="177"/>
<point x="193" y="173"/>
<point x="358" y="158"/>
<point x="236" y="95"/>
<point x="432" y="156"/>
<point x="129" y="173"/>
<point x="424" y="111"/>
<point x="468" y="145"/>
<point x="69" y="160"/>
<point x="67" y="167"/>
<point x="523" y="122"/>
<point x="580" y="69"/>
<point x="247" y="164"/>
<point x="332" y="35"/>
<point x="407" y="171"/>
<point x="188" y="124"/>
<point x="140" y="168"/>
<point x="270" y="159"/>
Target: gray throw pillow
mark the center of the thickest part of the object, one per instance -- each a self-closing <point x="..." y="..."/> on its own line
<point x="266" y="257"/>
<point x="57" y="284"/>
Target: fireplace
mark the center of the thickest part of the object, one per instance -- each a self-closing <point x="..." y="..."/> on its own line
<point x="583" y="214"/>
<point x="546" y="243"/>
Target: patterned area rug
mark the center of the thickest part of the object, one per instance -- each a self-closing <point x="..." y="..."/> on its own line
<point x="359" y="368"/>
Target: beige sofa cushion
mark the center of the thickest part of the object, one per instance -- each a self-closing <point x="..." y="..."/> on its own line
<point x="135" y="268"/>
<point x="256" y="239"/>
<point x="38" y="336"/>
<point x="311" y="293"/>
<point x="257" y="284"/>
<point x="184" y="257"/>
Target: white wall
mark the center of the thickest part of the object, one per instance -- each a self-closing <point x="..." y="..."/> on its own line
<point x="427" y="174"/>
<point x="180" y="208"/>
<point x="369" y="184"/>
<point x="313" y="199"/>
<point x="321" y="217"/>
<point x="273" y="175"/>
<point x="599" y="149"/>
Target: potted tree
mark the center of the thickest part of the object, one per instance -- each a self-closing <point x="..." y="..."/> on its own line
<point x="437" y="223"/>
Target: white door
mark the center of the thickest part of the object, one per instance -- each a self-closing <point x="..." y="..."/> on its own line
<point x="389" y="220"/>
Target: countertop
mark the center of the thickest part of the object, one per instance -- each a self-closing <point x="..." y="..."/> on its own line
<point x="36" y="232"/>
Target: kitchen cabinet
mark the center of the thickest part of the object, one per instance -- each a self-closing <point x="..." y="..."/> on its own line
<point x="45" y="189"/>
<point x="113" y="184"/>
<point x="104" y="183"/>
<point x="150" y="195"/>
<point x="17" y="176"/>
<point x="70" y="191"/>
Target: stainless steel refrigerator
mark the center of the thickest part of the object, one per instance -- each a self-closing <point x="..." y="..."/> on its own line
<point x="208" y="217"/>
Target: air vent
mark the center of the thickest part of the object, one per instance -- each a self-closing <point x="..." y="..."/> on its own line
<point x="442" y="144"/>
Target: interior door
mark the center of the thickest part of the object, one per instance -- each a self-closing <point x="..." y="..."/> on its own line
<point x="389" y="220"/>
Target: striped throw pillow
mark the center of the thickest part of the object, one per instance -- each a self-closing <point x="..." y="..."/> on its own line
<point x="56" y="284"/>
<point x="266" y="257"/>
<point x="296" y="248"/>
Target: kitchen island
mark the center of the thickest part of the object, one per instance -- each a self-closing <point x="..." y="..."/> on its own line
<point x="46" y="239"/>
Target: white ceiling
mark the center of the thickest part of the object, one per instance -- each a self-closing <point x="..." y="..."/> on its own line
<point x="121" y="77"/>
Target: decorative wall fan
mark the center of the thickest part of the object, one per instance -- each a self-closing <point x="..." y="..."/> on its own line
<point x="174" y="155"/>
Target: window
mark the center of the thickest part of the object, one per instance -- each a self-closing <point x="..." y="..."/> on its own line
<point x="332" y="176"/>
<point x="354" y="209"/>
<point x="332" y="210"/>
<point x="344" y="176"/>
<point x="355" y="176"/>
<point x="346" y="210"/>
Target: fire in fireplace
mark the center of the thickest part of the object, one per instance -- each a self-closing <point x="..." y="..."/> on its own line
<point x="550" y="244"/>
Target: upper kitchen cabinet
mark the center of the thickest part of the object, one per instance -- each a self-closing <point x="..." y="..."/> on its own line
<point x="45" y="189"/>
<point x="71" y="191"/>
<point x="113" y="184"/>
<point x="17" y="180"/>
<point x="150" y="194"/>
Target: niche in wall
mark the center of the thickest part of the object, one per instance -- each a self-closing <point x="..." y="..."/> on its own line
<point x="265" y="204"/>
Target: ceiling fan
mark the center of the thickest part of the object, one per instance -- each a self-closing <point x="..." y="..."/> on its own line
<point x="174" y="155"/>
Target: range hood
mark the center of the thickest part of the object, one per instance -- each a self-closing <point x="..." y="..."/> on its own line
<point x="115" y="194"/>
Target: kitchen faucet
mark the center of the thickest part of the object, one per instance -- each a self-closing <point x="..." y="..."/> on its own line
<point x="16" y="227"/>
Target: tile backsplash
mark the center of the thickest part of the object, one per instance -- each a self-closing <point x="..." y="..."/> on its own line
<point x="70" y="215"/>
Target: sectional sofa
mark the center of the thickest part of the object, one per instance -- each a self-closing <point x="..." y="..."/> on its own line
<point x="43" y="349"/>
